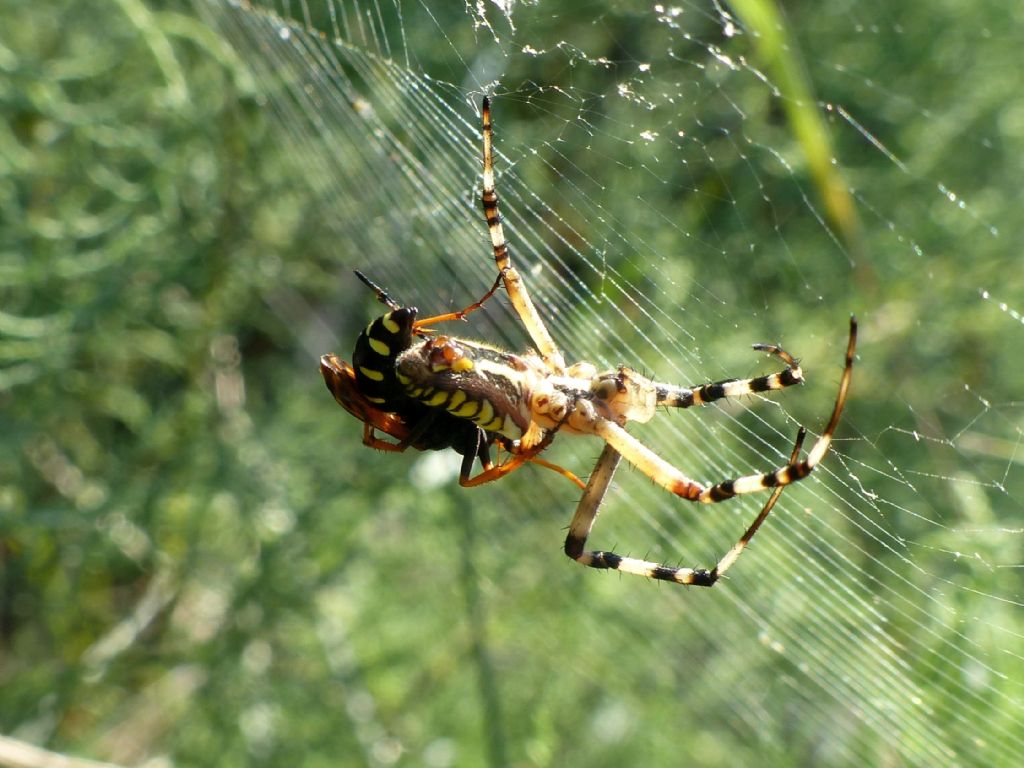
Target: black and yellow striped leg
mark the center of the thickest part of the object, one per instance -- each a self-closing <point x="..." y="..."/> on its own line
<point x="795" y="470"/>
<point x="675" y="481"/>
<point x="586" y="515"/>
<point x="514" y="285"/>
<point x="708" y="578"/>
<point x="685" y="397"/>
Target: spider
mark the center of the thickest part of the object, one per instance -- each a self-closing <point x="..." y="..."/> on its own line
<point x="431" y="391"/>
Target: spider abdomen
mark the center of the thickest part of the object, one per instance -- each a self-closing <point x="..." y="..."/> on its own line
<point x="468" y="380"/>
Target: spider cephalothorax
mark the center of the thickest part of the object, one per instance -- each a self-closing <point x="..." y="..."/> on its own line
<point x="431" y="391"/>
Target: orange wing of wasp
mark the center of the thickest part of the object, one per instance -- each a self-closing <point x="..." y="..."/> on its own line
<point x="341" y="380"/>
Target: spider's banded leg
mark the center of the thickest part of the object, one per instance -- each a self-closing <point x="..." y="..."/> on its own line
<point x="670" y="478"/>
<point x="795" y="470"/>
<point x="586" y="514"/>
<point x="514" y="285"/>
<point x="684" y="397"/>
<point x="704" y="578"/>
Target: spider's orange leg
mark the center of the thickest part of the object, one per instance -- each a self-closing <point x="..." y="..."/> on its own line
<point x="516" y="460"/>
<point x="560" y="470"/>
<point x="495" y="472"/>
<point x="420" y="326"/>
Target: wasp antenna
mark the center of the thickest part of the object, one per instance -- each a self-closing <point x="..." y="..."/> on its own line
<point x="382" y="295"/>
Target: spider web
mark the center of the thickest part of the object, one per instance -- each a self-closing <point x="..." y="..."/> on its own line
<point x="676" y="185"/>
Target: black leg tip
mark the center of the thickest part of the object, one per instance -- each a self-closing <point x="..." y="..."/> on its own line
<point x="703" y="578"/>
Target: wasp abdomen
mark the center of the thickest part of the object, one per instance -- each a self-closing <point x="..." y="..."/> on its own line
<point x="377" y="348"/>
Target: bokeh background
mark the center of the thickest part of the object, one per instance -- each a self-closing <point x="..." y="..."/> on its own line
<point x="202" y="565"/>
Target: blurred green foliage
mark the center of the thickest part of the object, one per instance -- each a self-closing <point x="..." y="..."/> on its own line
<point x="201" y="563"/>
